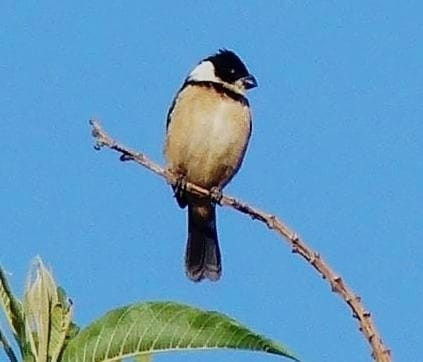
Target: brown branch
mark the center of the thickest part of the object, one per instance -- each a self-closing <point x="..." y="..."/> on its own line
<point x="380" y="352"/>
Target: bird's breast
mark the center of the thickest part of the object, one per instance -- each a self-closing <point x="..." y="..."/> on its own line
<point x="207" y="136"/>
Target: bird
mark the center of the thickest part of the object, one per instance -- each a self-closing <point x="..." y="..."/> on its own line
<point x="207" y="133"/>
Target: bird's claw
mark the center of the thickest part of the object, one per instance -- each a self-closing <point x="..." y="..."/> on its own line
<point x="180" y="186"/>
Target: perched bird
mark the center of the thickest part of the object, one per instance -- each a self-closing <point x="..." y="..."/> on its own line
<point x="207" y="133"/>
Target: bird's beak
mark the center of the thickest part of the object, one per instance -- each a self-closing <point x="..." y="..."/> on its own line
<point x="249" y="82"/>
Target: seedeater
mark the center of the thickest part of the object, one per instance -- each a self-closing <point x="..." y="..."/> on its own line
<point x="207" y="133"/>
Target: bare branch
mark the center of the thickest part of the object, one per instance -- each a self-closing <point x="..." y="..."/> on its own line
<point x="380" y="352"/>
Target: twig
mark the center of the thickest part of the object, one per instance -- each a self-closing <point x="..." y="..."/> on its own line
<point x="7" y="348"/>
<point x="380" y="352"/>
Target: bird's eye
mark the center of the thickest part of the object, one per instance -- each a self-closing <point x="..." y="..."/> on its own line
<point x="232" y="71"/>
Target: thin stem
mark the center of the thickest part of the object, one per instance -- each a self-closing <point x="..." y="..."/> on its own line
<point x="380" y="352"/>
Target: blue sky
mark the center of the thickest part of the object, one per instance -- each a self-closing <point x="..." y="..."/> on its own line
<point x="336" y="152"/>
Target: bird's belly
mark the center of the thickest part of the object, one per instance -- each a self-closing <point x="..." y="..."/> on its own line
<point x="211" y="149"/>
<point x="212" y="152"/>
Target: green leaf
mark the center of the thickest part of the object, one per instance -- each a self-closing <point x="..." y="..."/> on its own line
<point x="59" y="324"/>
<point x="48" y="315"/>
<point x="162" y="326"/>
<point x="8" y="350"/>
<point x="36" y="303"/>
<point x="13" y="310"/>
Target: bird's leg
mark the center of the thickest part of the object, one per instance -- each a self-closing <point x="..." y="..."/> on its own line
<point x="216" y="195"/>
<point x="180" y="186"/>
<point x="179" y="190"/>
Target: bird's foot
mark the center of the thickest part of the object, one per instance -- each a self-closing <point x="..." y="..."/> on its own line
<point x="180" y="187"/>
<point x="216" y="195"/>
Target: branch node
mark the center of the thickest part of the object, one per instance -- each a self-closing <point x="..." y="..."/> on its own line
<point x="258" y="217"/>
<point x="271" y="220"/>
<point x="313" y="257"/>
<point x="367" y="314"/>
<point x="125" y="157"/>
<point x="335" y="283"/>
<point x="294" y="238"/>
<point x="295" y="243"/>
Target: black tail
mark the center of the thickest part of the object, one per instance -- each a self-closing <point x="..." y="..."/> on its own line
<point x="202" y="258"/>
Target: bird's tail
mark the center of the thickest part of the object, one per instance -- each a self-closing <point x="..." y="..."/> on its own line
<point x="202" y="258"/>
